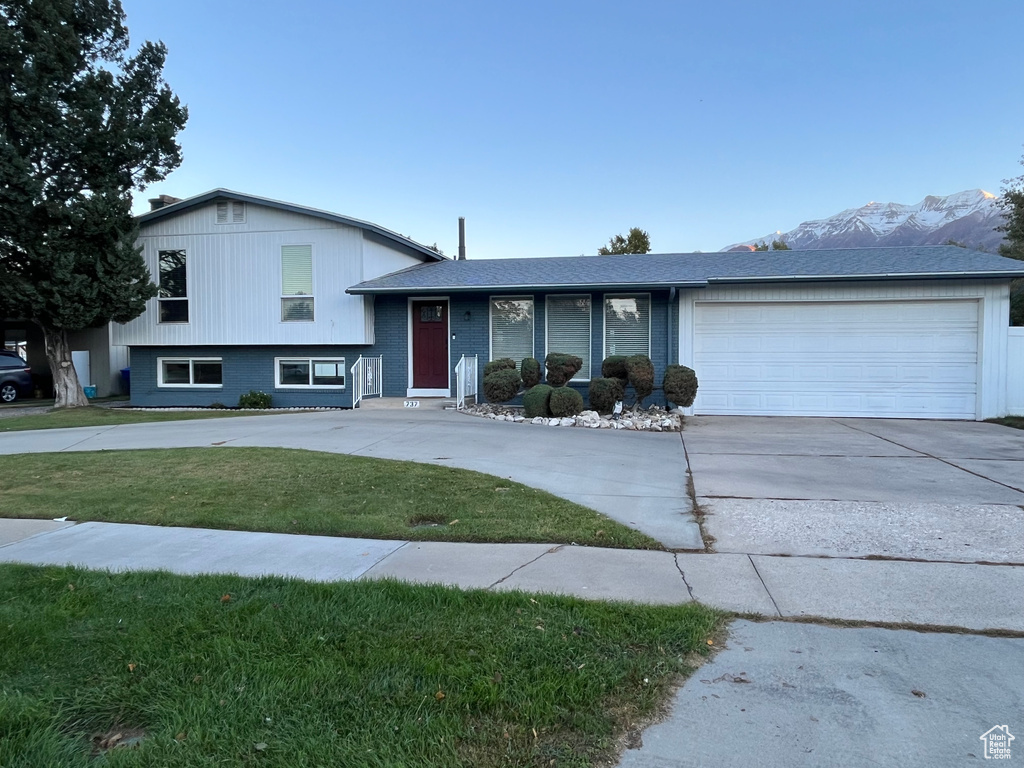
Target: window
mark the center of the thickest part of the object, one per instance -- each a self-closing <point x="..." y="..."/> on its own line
<point x="627" y="325"/>
<point x="172" y="295"/>
<point x="190" y="371"/>
<point x="230" y="212"/>
<point x="328" y="373"/>
<point x="512" y="327"/>
<point x="296" y="283"/>
<point x="568" y="327"/>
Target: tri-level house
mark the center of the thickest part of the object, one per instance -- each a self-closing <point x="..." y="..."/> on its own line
<point x="257" y="294"/>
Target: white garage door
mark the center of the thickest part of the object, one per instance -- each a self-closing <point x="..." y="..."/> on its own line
<point x="859" y="358"/>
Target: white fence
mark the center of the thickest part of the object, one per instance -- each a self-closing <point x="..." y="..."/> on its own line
<point x="366" y="379"/>
<point x="1015" y="372"/>
<point x="465" y="380"/>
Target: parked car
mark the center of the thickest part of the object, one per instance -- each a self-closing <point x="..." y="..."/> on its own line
<point x="15" y="377"/>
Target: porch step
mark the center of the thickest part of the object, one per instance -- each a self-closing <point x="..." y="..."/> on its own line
<point x="375" y="403"/>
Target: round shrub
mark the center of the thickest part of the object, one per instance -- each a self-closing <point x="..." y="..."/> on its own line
<point x="680" y="385"/>
<point x="502" y="385"/>
<point x="531" y="372"/>
<point x="614" y="367"/>
<point x="535" y="401"/>
<point x="604" y="393"/>
<point x="254" y="399"/>
<point x="640" y="370"/>
<point x="501" y="364"/>
<point x="561" y="368"/>
<point x="565" y="401"/>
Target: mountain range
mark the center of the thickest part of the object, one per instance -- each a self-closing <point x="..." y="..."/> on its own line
<point x="968" y="217"/>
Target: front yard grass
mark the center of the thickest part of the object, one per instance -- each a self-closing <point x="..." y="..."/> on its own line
<point x="198" y="671"/>
<point x="1017" y="422"/>
<point x="95" y="416"/>
<point x="294" y="491"/>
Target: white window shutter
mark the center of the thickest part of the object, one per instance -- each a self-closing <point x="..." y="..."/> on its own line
<point x="222" y="213"/>
<point x="627" y="325"/>
<point x="296" y="270"/>
<point x="568" y="322"/>
<point x="237" y="213"/>
<point x="512" y="327"/>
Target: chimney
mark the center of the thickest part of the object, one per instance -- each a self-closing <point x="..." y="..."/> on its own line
<point x="462" y="238"/>
<point x="156" y="203"/>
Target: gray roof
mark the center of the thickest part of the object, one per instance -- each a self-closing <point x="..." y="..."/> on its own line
<point x="663" y="270"/>
<point x="227" y="194"/>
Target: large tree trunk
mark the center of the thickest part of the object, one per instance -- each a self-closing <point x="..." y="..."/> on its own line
<point x="67" y="390"/>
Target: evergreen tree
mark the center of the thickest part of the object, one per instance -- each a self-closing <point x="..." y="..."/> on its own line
<point x="82" y="124"/>
<point x="775" y="245"/>
<point x="637" y="241"/>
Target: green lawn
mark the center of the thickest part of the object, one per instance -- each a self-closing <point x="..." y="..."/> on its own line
<point x="293" y="491"/>
<point x="93" y="416"/>
<point x="220" y="670"/>
<point x="1017" y="422"/>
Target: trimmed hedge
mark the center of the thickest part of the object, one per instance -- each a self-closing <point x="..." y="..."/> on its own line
<point x="501" y="364"/>
<point x="254" y="399"/>
<point x="565" y="401"/>
<point x="614" y="367"/>
<point x="536" y="401"/>
<point x="502" y="385"/>
<point x="531" y="372"/>
<point x="640" y="370"/>
<point x="604" y="393"/>
<point x="680" y="385"/>
<point x="561" y="368"/>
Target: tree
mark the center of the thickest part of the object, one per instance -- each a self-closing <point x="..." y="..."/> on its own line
<point x="82" y="124"/>
<point x="1012" y="204"/>
<point x="776" y="245"/>
<point x="637" y="241"/>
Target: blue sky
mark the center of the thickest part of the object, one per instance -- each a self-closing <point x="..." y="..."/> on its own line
<point x="553" y="125"/>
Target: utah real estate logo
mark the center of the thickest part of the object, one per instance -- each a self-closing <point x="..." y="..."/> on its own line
<point x="997" y="742"/>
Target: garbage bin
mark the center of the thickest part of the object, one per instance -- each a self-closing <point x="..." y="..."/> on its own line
<point x="126" y="380"/>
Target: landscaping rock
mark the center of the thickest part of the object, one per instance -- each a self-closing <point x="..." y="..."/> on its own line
<point x="652" y="419"/>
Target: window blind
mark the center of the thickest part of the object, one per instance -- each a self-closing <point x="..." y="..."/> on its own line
<point x="296" y="270"/>
<point x="512" y="327"/>
<point x="627" y="325"/>
<point x="568" y="322"/>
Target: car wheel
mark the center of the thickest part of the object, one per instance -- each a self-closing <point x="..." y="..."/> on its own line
<point x="8" y="393"/>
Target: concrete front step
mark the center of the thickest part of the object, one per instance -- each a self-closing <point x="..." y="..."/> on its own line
<point x="376" y="403"/>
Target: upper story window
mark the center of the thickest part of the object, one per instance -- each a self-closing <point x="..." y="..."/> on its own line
<point x="627" y="325"/>
<point x="173" y="289"/>
<point x="512" y="327"/>
<point x="230" y="212"/>
<point x="296" y="283"/>
<point x="568" y="327"/>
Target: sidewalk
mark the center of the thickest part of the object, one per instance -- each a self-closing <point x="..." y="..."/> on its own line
<point x="975" y="597"/>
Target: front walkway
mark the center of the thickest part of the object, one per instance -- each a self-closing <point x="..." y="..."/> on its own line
<point x="975" y="597"/>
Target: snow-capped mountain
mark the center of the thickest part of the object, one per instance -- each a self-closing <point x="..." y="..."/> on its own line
<point x="968" y="217"/>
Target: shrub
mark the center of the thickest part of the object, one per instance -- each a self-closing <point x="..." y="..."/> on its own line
<point x="680" y="385"/>
<point x="536" y="401"/>
<point x="614" y="367"/>
<point x="531" y="372"/>
<point x="501" y="364"/>
<point x="604" y="393"/>
<point x="561" y="368"/>
<point x="565" y="401"/>
<point x="501" y="385"/>
<point x="640" y="370"/>
<point x="254" y="399"/>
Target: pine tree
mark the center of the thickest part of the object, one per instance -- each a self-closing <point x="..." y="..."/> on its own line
<point x="82" y="124"/>
<point x="637" y="241"/>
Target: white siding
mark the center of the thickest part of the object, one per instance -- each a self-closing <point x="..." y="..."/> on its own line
<point x="1015" y="372"/>
<point x="234" y="279"/>
<point x="991" y="300"/>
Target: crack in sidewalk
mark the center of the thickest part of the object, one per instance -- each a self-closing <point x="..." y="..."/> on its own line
<point x="529" y="562"/>
<point x="766" y="590"/>
<point x="689" y="589"/>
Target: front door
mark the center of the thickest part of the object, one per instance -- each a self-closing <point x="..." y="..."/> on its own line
<point x="430" y="344"/>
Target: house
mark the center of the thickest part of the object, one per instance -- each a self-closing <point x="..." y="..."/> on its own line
<point x="258" y="294"/>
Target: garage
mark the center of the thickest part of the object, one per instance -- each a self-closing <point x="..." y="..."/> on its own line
<point x="916" y="358"/>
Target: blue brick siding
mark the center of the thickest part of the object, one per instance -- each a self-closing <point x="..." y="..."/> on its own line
<point x="244" y="368"/>
<point x="252" y="367"/>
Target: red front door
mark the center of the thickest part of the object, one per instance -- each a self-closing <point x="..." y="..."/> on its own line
<point x="430" y="344"/>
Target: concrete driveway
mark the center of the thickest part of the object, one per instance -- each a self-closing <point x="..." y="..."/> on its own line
<point x="928" y="490"/>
